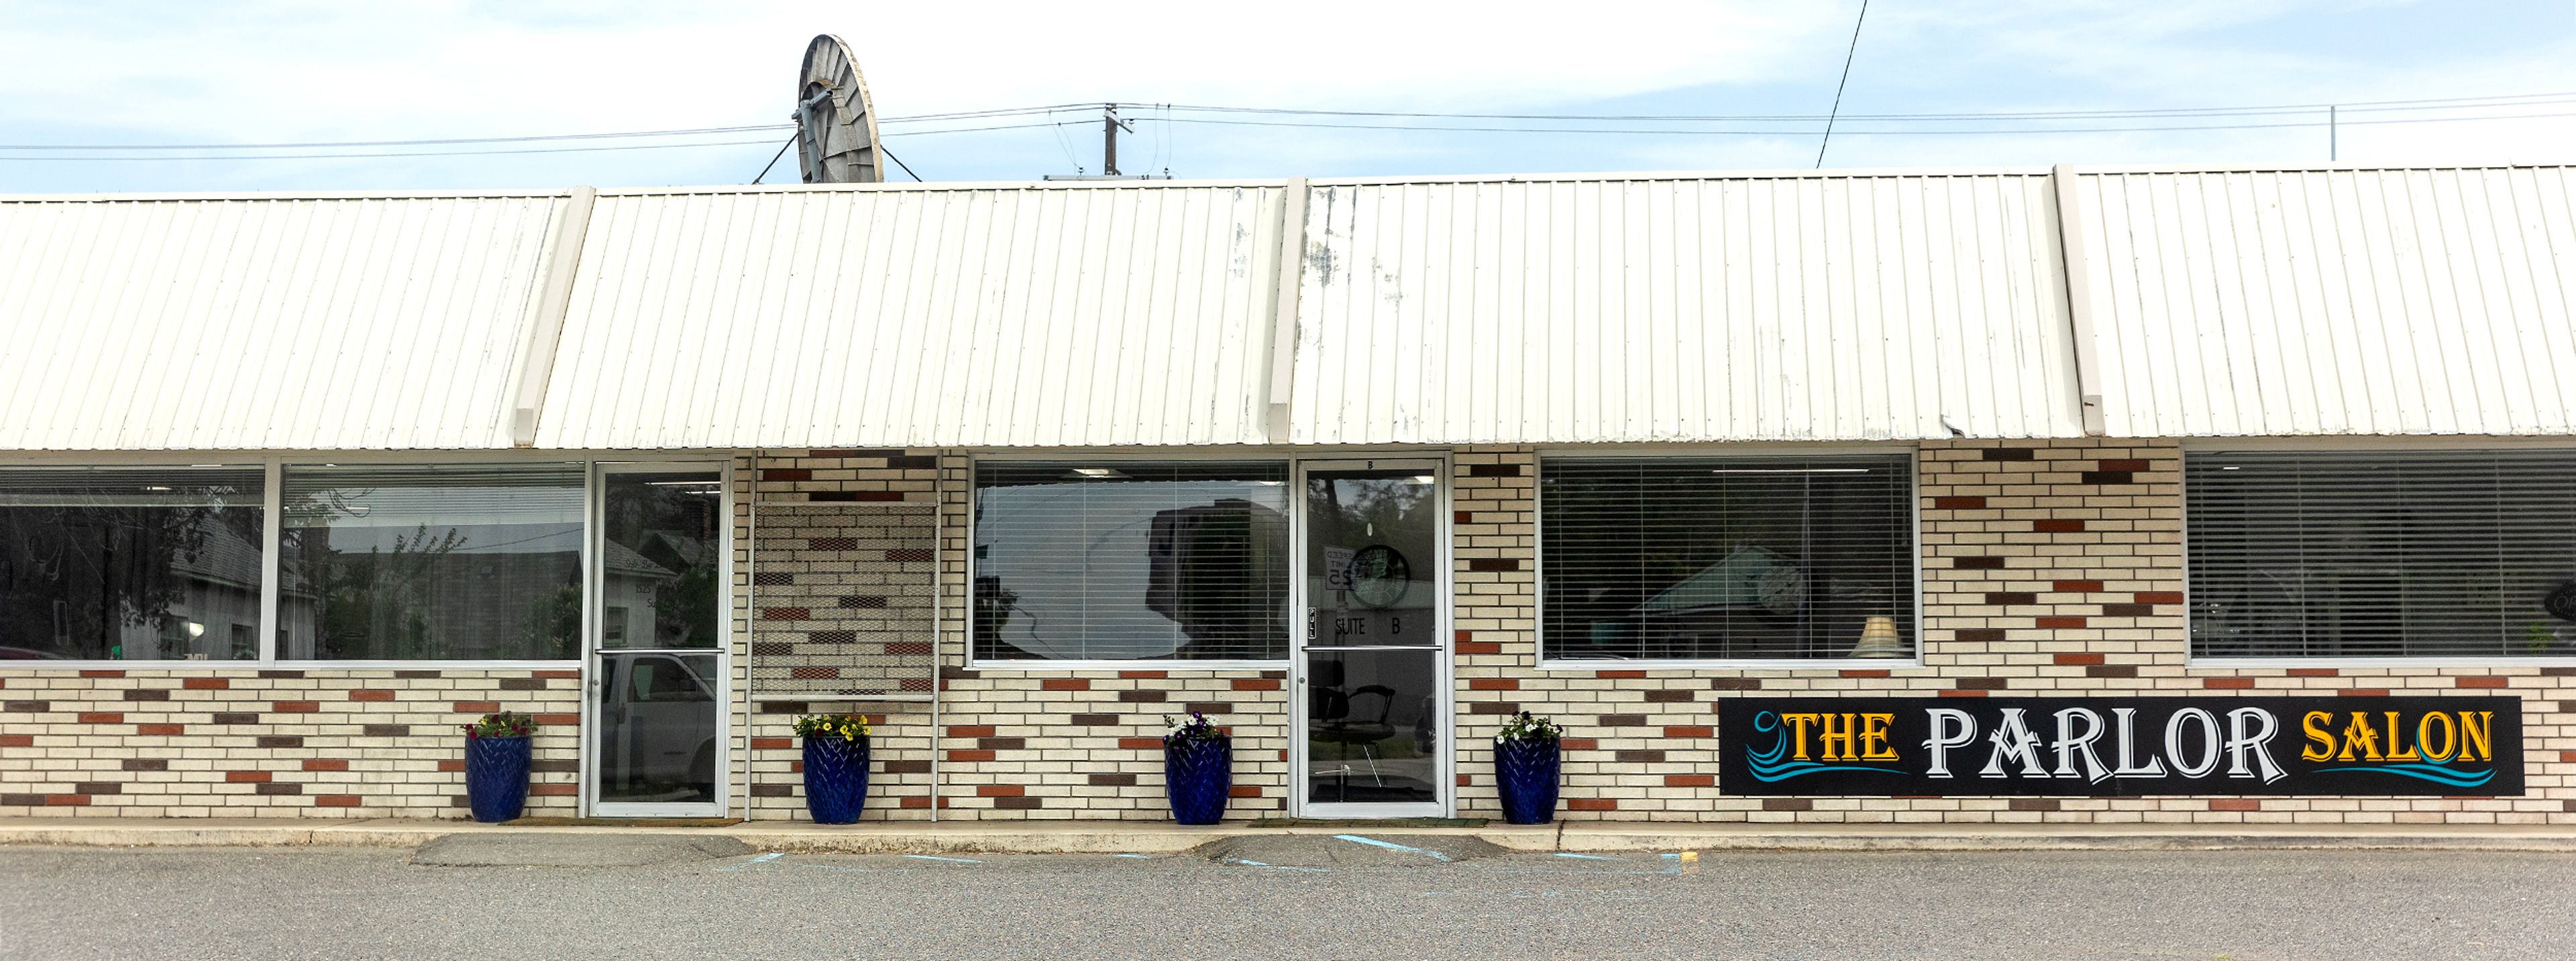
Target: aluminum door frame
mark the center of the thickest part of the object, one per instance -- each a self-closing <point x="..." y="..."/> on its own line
<point x="1442" y="650"/>
<point x="594" y="597"/>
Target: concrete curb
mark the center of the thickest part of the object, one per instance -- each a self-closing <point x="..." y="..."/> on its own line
<point x="1159" y="838"/>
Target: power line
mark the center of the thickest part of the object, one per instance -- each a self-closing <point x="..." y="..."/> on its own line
<point x="532" y="138"/>
<point x="2511" y="100"/>
<point x="1839" y="84"/>
<point x="480" y="153"/>
<point x="2327" y="115"/>
<point x="411" y="153"/>
<point x="1704" y="131"/>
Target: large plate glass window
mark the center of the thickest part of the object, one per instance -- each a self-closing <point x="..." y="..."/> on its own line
<point x="1123" y="561"/>
<point x="1733" y="558"/>
<point x="2382" y="553"/>
<point x="408" y="562"/>
<point x="130" y="564"/>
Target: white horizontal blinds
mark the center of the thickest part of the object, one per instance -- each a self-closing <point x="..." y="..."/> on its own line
<point x="1671" y="558"/>
<point x="2382" y="553"/>
<point x="447" y="562"/>
<point x="1127" y="561"/>
<point x="138" y="564"/>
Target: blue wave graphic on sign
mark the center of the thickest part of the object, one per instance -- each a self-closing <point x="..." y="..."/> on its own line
<point x="1768" y="766"/>
<point x="2425" y="772"/>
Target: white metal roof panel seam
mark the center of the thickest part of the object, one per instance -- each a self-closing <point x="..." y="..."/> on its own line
<point x="1666" y="309"/>
<point x="1021" y="316"/>
<point x="2337" y="302"/>
<point x="264" y="323"/>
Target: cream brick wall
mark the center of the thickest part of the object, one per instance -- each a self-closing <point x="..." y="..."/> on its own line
<point x="2048" y="568"/>
<point x="239" y="742"/>
<point x="1009" y="744"/>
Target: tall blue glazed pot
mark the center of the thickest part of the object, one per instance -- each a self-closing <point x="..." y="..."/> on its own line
<point x="836" y="778"/>
<point x="1525" y="771"/>
<point x="496" y="777"/>
<point x="1198" y="775"/>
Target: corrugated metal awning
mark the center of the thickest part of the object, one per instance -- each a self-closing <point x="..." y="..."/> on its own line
<point x="947" y="315"/>
<point x="264" y="322"/>
<point x="2332" y="301"/>
<point x="1558" y="311"/>
<point x="1589" y="310"/>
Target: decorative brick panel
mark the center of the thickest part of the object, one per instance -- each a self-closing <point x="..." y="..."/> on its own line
<point x="236" y="742"/>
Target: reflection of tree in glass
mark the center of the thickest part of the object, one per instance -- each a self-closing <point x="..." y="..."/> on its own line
<point x="111" y="565"/>
<point x="686" y="607"/>
<point x="377" y="604"/>
<point x="672" y="524"/>
<point x="553" y="625"/>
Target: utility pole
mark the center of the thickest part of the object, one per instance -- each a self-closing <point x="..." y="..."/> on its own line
<point x="2334" y="151"/>
<point x="1109" y="127"/>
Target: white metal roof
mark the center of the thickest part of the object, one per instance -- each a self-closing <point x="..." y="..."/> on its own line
<point x="1557" y="310"/>
<point x="2339" y="301"/>
<point x="247" y="323"/>
<point x="1023" y="314"/>
<point x="1683" y="309"/>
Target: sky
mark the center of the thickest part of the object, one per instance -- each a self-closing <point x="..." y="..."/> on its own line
<point x="92" y="74"/>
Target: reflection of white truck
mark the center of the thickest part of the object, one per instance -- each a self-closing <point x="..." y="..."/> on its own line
<point x="657" y="727"/>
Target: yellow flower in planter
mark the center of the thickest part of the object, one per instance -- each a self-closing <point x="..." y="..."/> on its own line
<point x="847" y="727"/>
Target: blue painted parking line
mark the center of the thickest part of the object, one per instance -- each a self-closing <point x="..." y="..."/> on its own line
<point x="934" y="857"/>
<point x="754" y="862"/>
<point x="1249" y="863"/>
<point x="1146" y="856"/>
<point x="1588" y="857"/>
<point x="1391" y="846"/>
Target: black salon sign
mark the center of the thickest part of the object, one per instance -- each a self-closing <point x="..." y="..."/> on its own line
<point x="2108" y="747"/>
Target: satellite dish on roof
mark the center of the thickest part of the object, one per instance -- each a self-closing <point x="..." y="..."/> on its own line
<point x="836" y="125"/>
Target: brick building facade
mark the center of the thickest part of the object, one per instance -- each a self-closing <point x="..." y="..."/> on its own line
<point x="2022" y="387"/>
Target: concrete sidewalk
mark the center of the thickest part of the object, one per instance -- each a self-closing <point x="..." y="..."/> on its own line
<point x="1150" y="837"/>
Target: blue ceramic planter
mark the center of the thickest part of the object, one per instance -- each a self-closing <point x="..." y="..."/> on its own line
<point x="1525" y="771"/>
<point x="1198" y="775"/>
<point x="836" y="778"/>
<point x="496" y="777"/>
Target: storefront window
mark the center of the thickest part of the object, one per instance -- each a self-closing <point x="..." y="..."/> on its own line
<point x="130" y="564"/>
<point x="406" y="562"/>
<point x="1126" y="562"/>
<point x="2382" y="553"/>
<point x="1710" y="559"/>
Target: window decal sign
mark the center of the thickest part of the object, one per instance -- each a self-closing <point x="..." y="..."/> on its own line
<point x="2121" y="747"/>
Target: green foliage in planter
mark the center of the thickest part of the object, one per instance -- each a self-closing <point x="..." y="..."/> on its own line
<point x="1195" y="729"/>
<point x="504" y="724"/>
<point x="1528" y="727"/>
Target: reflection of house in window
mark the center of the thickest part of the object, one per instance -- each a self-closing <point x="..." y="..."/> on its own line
<point x="634" y="583"/>
<point x="1209" y="573"/>
<point x="1750" y="603"/>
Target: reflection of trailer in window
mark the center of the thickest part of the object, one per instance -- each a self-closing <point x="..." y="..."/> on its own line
<point x="656" y="724"/>
<point x="1204" y="559"/>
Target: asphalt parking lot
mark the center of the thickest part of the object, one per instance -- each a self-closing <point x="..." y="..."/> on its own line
<point x="1313" y="896"/>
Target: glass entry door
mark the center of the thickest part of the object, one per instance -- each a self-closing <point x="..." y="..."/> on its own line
<point x="1372" y="660"/>
<point x="657" y="671"/>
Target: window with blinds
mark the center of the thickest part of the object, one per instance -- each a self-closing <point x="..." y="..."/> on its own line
<point x="1123" y="561"/>
<point x="413" y="562"/>
<point x="2464" y="553"/>
<point x="1720" y="559"/>
<point x="131" y="564"/>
